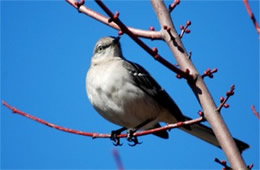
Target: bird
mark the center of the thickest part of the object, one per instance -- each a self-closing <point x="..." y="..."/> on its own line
<point x="124" y="93"/>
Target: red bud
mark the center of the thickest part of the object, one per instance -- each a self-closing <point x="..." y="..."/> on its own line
<point x="116" y="15"/>
<point x="223" y="162"/>
<point x="226" y="105"/>
<point x="230" y="93"/>
<point x="120" y="32"/>
<point x="155" y="50"/>
<point x="151" y="28"/>
<point x="178" y="76"/>
<point x="188" y="23"/>
<point x="214" y="70"/>
<point x="187" y="31"/>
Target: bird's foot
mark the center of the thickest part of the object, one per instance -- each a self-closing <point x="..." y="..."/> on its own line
<point x="114" y="136"/>
<point x="131" y="138"/>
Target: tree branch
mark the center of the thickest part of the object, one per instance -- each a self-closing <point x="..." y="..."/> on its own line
<point x="251" y="15"/>
<point x="184" y="29"/>
<point x="223" y="101"/>
<point x="199" y="88"/>
<point x="223" y="163"/>
<point x="255" y="112"/>
<point x="132" y="32"/>
<point x="100" y="135"/>
<point x="154" y="35"/>
<point x="209" y="73"/>
<point x="173" y="5"/>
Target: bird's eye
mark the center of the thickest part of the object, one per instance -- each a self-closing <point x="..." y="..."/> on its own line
<point x="99" y="49"/>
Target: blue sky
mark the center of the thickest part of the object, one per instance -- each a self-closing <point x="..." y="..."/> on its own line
<point x="45" y="53"/>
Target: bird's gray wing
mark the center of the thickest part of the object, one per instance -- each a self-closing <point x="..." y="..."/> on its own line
<point x="145" y="81"/>
<point x="148" y="84"/>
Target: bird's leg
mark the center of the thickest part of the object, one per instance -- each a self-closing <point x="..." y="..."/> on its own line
<point x="114" y="137"/>
<point x="132" y="138"/>
<point x="130" y="133"/>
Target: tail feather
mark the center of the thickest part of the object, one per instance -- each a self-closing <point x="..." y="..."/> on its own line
<point x="205" y="133"/>
<point x="162" y="134"/>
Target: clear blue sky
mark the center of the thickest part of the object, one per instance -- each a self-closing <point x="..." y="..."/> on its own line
<point x="45" y="53"/>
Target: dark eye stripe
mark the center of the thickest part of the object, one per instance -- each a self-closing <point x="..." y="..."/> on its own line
<point x="101" y="47"/>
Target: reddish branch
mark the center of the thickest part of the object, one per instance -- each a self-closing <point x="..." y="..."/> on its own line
<point x="138" y="32"/>
<point x="133" y="33"/>
<point x="250" y="166"/>
<point x="184" y="29"/>
<point x="209" y="73"/>
<point x="116" y="23"/>
<point x="255" y="112"/>
<point x="223" y="101"/>
<point x="99" y="135"/>
<point x="173" y="5"/>
<point x="252" y="16"/>
<point x="14" y="110"/>
<point x="223" y="163"/>
<point x="226" y="167"/>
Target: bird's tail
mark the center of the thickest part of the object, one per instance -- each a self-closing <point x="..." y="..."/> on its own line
<point x="205" y="133"/>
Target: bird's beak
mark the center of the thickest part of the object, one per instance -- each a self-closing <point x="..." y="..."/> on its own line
<point x="116" y="40"/>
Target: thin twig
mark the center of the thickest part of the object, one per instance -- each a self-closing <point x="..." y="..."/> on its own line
<point x="224" y="100"/>
<point x="255" y="112"/>
<point x="154" y="35"/>
<point x="173" y="5"/>
<point x="250" y="166"/>
<point x="251" y="15"/>
<point x="184" y="29"/>
<point x="209" y="73"/>
<point x="226" y="167"/>
<point x="223" y="163"/>
<point x="14" y="110"/>
<point x="100" y="135"/>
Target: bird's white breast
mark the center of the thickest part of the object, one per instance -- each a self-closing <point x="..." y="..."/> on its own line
<point x="112" y="93"/>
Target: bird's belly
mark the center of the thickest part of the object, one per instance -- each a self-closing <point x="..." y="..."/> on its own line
<point x="123" y="104"/>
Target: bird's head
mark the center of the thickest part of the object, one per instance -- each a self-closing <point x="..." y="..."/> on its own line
<point x="107" y="48"/>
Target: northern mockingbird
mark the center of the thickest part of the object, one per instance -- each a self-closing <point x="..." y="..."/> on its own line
<point x="125" y="94"/>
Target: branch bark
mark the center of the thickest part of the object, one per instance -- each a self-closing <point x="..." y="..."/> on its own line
<point x="198" y="87"/>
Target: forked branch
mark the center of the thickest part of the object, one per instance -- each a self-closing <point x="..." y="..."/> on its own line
<point x="223" y="101"/>
<point x="199" y="88"/>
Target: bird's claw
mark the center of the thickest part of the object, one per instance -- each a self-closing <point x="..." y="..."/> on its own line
<point x="115" y="138"/>
<point x="132" y="139"/>
<point x="117" y="142"/>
